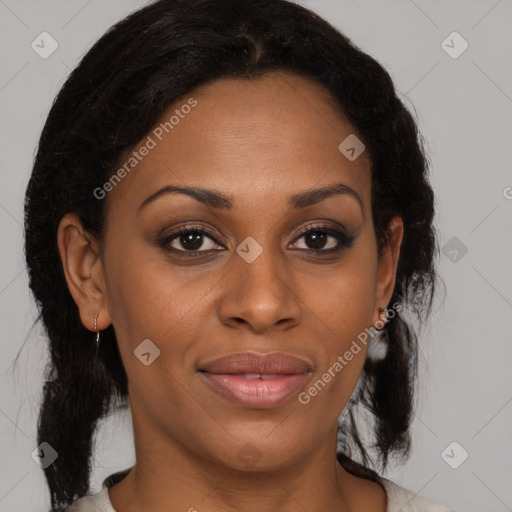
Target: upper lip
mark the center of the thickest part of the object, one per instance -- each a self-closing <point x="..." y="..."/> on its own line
<point x="273" y="363"/>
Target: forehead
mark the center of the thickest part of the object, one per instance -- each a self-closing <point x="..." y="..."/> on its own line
<point x="248" y="138"/>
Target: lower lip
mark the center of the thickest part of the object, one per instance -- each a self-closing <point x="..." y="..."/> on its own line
<point x="256" y="393"/>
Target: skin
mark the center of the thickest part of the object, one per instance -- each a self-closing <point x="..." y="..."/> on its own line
<point x="259" y="142"/>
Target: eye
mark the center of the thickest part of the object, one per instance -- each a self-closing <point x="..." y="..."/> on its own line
<point x="189" y="239"/>
<point x="316" y="239"/>
<point x="192" y="240"/>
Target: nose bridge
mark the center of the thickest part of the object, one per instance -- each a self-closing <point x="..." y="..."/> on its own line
<point x="258" y="292"/>
<point x="261" y="276"/>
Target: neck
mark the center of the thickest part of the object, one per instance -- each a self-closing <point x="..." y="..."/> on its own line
<point x="164" y="480"/>
<point x="173" y="474"/>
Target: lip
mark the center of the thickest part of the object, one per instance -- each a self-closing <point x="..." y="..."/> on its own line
<point x="257" y="380"/>
<point x="279" y="363"/>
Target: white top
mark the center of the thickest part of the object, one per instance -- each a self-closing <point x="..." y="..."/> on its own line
<point x="399" y="499"/>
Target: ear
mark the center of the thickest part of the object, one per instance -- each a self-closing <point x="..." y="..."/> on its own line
<point x="83" y="269"/>
<point x="388" y="263"/>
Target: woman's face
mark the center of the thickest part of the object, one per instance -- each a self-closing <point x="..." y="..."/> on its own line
<point x="269" y="275"/>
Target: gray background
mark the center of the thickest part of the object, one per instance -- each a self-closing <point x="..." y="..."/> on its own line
<point x="463" y="106"/>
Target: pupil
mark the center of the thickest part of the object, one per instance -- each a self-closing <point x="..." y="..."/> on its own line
<point x="316" y="238"/>
<point x="192" y="241"/>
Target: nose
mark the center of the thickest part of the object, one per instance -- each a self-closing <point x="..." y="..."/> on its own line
<point x="259" y="296"/>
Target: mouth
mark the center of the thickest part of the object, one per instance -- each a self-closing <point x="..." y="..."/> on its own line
<point x="256" y="380"/>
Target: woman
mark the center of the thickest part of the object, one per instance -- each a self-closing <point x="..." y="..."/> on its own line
<point x="228" y="219"/>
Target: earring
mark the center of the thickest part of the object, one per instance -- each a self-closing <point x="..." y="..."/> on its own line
<point x="383" y="315"/>
<point x="97" y="332"/>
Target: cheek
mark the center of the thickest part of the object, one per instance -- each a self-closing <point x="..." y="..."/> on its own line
<point x="150" y="299"/>
<point x="147" y="296"/>
<point x="342" y="297"/>
<point x="343" y="310"/>
<point x="149" y="303"/>
<point x="342" y="341"/>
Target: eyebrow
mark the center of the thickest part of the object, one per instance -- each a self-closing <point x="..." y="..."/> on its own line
<point x="218" y="200"/>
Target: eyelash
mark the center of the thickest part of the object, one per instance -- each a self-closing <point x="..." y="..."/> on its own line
<point x="344" y="240"/>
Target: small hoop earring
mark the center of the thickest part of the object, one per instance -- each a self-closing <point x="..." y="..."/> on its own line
<point x="97" y="332"/>
<point x="383" y="315"/>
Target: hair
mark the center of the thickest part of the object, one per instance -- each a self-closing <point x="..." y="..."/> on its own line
<point x="112" y="99"/>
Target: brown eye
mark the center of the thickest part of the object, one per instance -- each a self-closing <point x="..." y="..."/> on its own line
<point x="189" y="239"/>
<point x="324" y="239"/>
<point x="316" y="239"/>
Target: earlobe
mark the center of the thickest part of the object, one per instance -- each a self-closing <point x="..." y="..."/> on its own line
<point x="83" y="271"/>
<point x="388" y="263"/>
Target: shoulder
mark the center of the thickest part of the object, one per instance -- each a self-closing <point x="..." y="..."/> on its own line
<point x="95" y="503"/>
<point x="403" y="500"/>
<point x="99" y="502"/>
